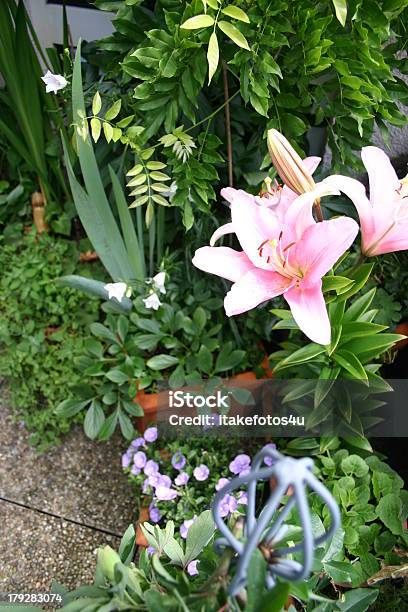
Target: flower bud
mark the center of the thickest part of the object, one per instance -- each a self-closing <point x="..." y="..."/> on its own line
<point x="288" y="164"/>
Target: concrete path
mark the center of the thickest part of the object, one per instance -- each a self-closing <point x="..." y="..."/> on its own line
<point x="57" y="508"/>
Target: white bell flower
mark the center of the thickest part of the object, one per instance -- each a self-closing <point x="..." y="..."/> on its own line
<point x="117" y="290"/>
<point x="152" y="301"/>
<point x="54" y="82"/>
<point x="158" y="282"/>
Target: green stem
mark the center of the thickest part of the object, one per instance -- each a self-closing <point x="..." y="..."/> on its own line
<point x="152" y="240"/>
<point x="160" y="234"/>
<point x="139" y="225"/>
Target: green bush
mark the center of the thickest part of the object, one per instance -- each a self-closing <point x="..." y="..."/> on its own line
<point x="42" y="328"/>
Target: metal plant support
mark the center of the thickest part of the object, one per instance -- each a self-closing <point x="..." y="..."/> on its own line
<point x="266" y="528"/>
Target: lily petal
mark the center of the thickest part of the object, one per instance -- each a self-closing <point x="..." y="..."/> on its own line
<point x="254" y="288"/>
<point x="309" y="311"/>
<point x="322" y="245"/>
<point x="228" y="228"/>
<point x="357" y="194"/>
<point x="222" y="261"/>
<point x="300" y="214"/>
<point x="253" y="225"/>
<point x="383" y="179"/>
<point x="396" y="239"/>
<point x="311" y="163"/>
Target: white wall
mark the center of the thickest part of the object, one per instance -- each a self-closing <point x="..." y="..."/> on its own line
<point x="87" y="24"/>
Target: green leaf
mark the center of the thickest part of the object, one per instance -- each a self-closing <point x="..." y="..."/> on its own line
<point x="357" y="600"/>
<point x="94" y="420"/>
<point x="255" y="581"/>
<point x="95" y="129"/>
<point x="96" y="103"/>
<point x="389" y="510"/>
<point x="70" y="407"/>
<point x="235" y="12"/>
<point x="354" y="465"/>
<point x="199" y="534"/>
<point x="93" y="287"/>
<point x="108" y="427"/>
<point x="199" y="21"/>
<point x="302" y="355"/>
<point x="351" y="363"/>
<point x="371" y="346"/>
<point x="126" y="426"/>
<point x="128" y="545"/>
<point x="108" y="131"/>
<point x="204" y="359"/>
<point x="234" y="34"/>
<point x="359" y="306"/>
<point x="161" y="362"/>
<point x="174" y="551"/>
<point x="213" y="56"/>
<point x="113" y="111"/>
<point x="340" y="7"/>
<point x="360" y="276"/>
<point x="228" y="359"/>
<point x="117" y="376"/>
<point x="275" y="600"/>
<point x="336" y="283"/>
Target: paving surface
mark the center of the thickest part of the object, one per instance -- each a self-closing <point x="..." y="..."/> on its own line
<point x="58" y="505"/>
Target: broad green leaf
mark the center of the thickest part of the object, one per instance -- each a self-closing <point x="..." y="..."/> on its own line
<point x="174" y="551"/>
<point x="199" y="21"/>
<point x="255" y="581"/>
<point x="235" y="12"/>
<point x="117" y="376"/>
<point x="340" y="7"/>
<point x="389" y="510"/>
<point x="95" y="129"/>
<point x="96" y="103"/>
<point x="234" y="34"/>
<point x="161" y="362"/>
<point x="126" y="426"/>
<point x="213" y="56"/>
<point x="127" y="545"/>
<point x="275" y="600"/>
<point x="199" y="534"/>
<point x="94" y="420"/>
<point x="357" y="600"/>
<point x="113" y="111"/>
<point x="70" y="407"/>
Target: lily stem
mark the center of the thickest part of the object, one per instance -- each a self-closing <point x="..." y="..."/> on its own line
<point x="227" y="124"/>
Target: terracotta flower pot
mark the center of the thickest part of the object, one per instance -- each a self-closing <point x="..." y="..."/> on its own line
<point x="143" y="517"/>
<point x="402" y="328"/>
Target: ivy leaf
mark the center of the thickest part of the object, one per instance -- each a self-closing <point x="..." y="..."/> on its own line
<point x="199" y="21"/>
<point x="213" y="56"/>
<point x="340" y="7"/>
<point x="113" y="111"/>
<point x="235" y="13"/>
<point x="96" y="103"/>
<point x="234" y="34"/>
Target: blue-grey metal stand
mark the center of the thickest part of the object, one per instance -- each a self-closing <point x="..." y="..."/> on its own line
<point x="287" y="472"/>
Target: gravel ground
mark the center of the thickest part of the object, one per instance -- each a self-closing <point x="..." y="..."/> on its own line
<point x="80" y="481"/>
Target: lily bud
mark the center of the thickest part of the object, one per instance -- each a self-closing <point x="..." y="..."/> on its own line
<point x="288" y="164"/>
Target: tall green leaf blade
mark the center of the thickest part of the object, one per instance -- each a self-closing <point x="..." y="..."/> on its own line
<point x="135" y="254"/>
<point x="92" y="287"/>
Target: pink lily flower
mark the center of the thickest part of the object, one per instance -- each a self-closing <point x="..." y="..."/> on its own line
<point x="383" y="217"/>
<point x="282" y="255"/>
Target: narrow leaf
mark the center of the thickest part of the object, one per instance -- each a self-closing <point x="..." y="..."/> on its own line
<point x="199" y="21"/>
<point x="213" y="56"/>
<point x="234" y="34"/>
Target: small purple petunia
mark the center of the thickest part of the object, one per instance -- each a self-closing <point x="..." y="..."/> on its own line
<point x="221" y="483"/>
<point x="150" y="550"/>
<point x="185" y="526"/>
<point x="135" y="470"/>
<point x="269" y="461"/>
<point x="150" y="435"/>
<point x="137" y="443"/>
<point x="126" y="459"/>
<point x="228" y="505"/>
<point x="192" y="568"/>
<point x="151" y="468"/>
<point x="139" y="460"/>
<point x="243" y="498"/>
<point x="201" y="472"/>
<point x="154" y="514"/>
<point x="178" y="461"/>
<point x="182" y="479"/>
<point x="245" y="471"/>
<point x="165" y="493"/>
<point x="240" y="463"/>
<point x="164" y="480"/>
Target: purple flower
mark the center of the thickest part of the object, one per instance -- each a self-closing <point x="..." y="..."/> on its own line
<point x="228" y="505"/>
<point x="154" y="514"/>
<point x="145" y="485"/>
<point x="165" y="493"/>
<point x="150" y="550"/>
<point x="239" y="464"/>
<point x="178" y="461"/>
<point x="164" y="481"/>
<point x="243" y="498"/>
<point x="182" y="479"/>
<point x="153" y="480"/>
<point x="221" y="483"/>
<point x="126" y="459"/>
<point x="137" y="443"/>
<point x="244" y="472"/>
<point x="201" y="472"/>
<point x="151" y="468"/>
<point x="192" y="568"/>
<point x="135" y="470"/>
<point x="150" y="435"/>
<point x="184" y="527"/>
<point x="139" y="459"/>
<point x="269" y="461"/>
